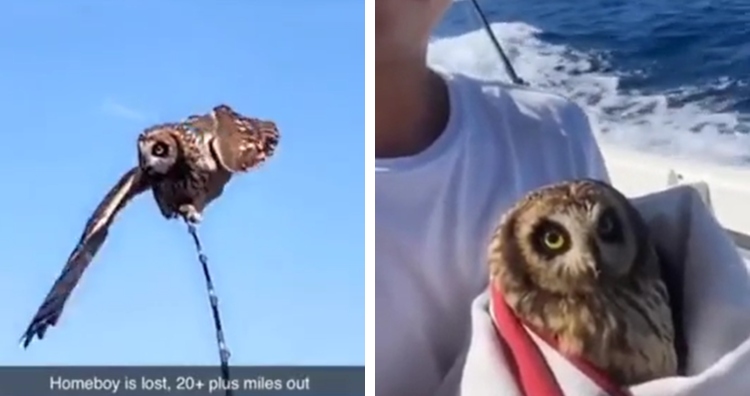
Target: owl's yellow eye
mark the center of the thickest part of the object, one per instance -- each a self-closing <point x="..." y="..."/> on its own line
<point x="550" y="238"/>
<point x="553" y="240"/>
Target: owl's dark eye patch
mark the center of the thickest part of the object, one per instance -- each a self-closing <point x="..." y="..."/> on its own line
<point x="609" y="227"/>
<point x="160" y="149"/>
<point x="550" y="239"/>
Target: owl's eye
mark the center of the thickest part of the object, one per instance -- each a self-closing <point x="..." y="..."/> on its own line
<point x="551" y="238"/>
<point x="554" y="240"/>
<point x="160" y="149"/>
<point x="608" y="226"/>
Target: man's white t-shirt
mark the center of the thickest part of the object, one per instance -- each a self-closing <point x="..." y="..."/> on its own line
<point x="435" y="212"/>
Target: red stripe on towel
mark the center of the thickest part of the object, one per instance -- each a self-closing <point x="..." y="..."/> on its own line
<point x="535" y="377"/>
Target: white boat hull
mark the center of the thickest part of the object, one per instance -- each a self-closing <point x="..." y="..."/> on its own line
<point x="726" y="189"/>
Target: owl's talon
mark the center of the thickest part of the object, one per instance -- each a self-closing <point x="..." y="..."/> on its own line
<point x="190" y="214"/>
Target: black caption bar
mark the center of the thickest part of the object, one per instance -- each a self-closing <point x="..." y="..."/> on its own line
<point x="182" y="380"/>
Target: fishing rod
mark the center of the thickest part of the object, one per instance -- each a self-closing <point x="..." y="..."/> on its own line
<point x="506" y="61"/>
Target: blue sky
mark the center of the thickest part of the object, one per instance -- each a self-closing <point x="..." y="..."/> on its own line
<point x="80" y="79"/>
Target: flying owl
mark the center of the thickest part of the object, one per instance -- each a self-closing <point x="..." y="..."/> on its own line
<point x="575" y="261"/>
<point x="186" y="165"/>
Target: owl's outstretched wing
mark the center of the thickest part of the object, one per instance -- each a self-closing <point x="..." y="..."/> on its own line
<point x="240" y="143"/>
<point x="130" y="184"/>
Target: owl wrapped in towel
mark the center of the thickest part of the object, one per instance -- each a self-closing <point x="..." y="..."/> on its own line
<point x="186" y="166"/>
<point x="574" y="262"/>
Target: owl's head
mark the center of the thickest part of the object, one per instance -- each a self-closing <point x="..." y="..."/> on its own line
<point x="570" y="238"/>
<point x="158" y="149"/>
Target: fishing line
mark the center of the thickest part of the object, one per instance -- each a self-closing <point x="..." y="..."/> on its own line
<point x="223" y="350"/>
<point x="498" y="48"/>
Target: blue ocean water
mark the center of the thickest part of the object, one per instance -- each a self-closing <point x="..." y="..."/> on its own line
<point x="671" y="76"/>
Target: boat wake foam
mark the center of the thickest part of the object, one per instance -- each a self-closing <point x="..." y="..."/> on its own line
<point x="676" y="123"/>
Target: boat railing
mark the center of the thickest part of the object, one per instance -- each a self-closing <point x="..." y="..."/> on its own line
<point x="741" y="239"/>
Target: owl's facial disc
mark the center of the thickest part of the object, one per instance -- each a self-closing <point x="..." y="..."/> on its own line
<point x="579" y="248"/>
<point x="156" y="156"/>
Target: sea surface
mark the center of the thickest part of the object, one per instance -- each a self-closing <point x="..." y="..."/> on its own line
<point x="666" y="76"/>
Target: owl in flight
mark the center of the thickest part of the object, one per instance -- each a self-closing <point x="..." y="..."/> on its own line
<point x="186" y="165"/>
<point x="575" y="261"/>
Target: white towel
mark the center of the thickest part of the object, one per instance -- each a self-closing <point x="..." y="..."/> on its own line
<point x="716" y="313"/>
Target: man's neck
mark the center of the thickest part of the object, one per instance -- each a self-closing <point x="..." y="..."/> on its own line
<point x="411" y="108"/>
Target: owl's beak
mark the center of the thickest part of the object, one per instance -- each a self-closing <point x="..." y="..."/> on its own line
<point x="144" y="165"/>
<point x="598" y="262"/>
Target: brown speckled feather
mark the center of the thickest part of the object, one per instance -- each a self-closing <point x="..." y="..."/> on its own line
<point x="240" y="142"/>
<point x="94" y="234"/>
<point x="603" y="299"/>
